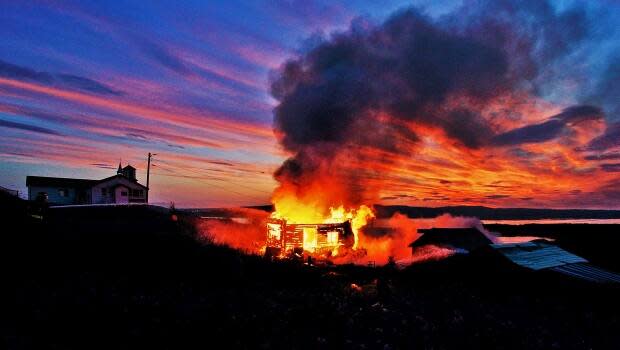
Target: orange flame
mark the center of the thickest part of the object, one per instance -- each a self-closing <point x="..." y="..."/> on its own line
<point x="299" y="213"/>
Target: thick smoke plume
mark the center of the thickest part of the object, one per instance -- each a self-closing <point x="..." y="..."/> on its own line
<point x="375" y="91"/>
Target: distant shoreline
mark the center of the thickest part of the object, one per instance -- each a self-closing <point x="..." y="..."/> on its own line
<point x="483" y="213"/>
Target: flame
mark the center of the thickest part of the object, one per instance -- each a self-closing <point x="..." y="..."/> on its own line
<point x="359" y="218"/>
<point x="318" y="218"/>
<point x="249" y="235"/>
<point x="295" y="212"/>
<point x="366" y="248"/>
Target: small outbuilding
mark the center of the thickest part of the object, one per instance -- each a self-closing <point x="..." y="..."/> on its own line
<point x="461" y="238"/>
<point x="542" y="255"/>
<point x="536" y="255"/>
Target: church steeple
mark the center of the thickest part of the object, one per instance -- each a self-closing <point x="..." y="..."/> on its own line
<point x="120" y="169"/>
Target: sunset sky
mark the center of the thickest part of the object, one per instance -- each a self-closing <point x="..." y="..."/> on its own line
<point x="84" y="85"/>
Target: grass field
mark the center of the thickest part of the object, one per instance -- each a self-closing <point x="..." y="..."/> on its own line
<point x="131" y="277"/>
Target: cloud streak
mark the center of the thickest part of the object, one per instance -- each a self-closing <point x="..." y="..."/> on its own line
<point x="470" y="107"/>
<point x="67" y="81"/>
<point x="27" y="127"/>
<point x="550" y="129"/>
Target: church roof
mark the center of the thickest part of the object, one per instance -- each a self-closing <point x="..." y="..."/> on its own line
<point x="121" y="176"/>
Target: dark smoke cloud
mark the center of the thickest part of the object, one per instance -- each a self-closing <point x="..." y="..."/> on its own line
<point x="549" y="129"/>
<point x="609" y="156"/>
<point x="611" y="167"/>
<point x="610" y="139"/>
<point x="420" y="71"/>
<point x="539" y="39"/>
<point x="406" y="68"/>
<point x="531" y="134"/>
<point x="551" y="33"/>
<point x="607" y="90"/>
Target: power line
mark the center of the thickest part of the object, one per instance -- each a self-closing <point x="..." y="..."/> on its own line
<point x="243" y="195"/>
<point x="203" y="177"/>
<point x="218" y="179"/>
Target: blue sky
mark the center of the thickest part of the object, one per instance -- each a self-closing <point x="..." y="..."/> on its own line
<point x="84" y="85"/>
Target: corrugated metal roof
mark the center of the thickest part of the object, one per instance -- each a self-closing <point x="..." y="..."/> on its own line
<point x="587" y="272"/>
<point x="537" y="255"/>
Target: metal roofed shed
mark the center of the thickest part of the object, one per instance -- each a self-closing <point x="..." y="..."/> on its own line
<point x="537" y="255"/>
<point x="587" y="272"/>
<point x="462" y="238"/>
<point x="540" y="255"/>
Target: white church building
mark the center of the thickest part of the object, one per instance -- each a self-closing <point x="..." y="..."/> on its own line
<point x="120" y="188"/>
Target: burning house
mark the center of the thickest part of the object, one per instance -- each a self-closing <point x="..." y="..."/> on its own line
<point x="323" y="239"/>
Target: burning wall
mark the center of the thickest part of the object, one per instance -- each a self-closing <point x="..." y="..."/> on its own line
<point x="327" y="240"/>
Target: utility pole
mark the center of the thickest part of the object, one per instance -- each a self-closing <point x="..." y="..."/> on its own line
<point x="148" y="175"/>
